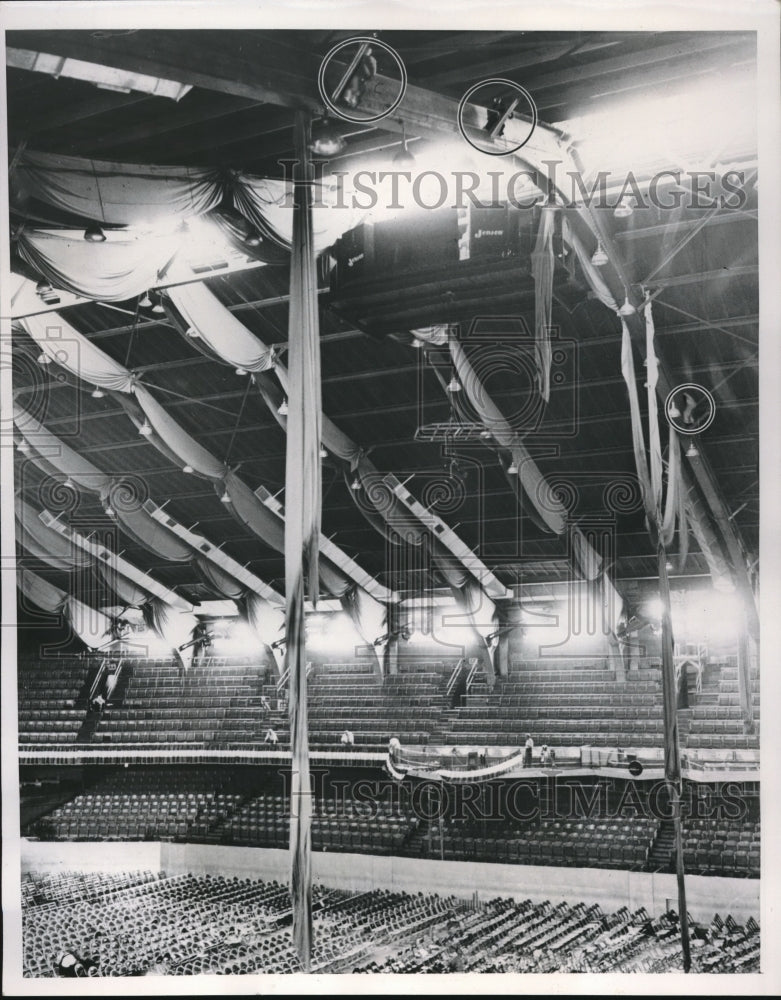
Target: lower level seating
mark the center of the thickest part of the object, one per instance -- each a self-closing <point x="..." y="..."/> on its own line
<point x="146" y="923"/>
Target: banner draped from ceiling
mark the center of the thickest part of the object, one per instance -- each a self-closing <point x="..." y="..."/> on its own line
<point x="90" y="625"/>
<point x="113" y="271"/>
<point x="542" y="263"/>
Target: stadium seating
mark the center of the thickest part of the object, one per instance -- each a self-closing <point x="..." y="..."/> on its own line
<point x="147" y="923"/>
<point x="715" y="718"/>
<point x="49" y="690"/>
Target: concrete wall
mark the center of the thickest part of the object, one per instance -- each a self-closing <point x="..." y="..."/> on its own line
<point x="359" y="872"/>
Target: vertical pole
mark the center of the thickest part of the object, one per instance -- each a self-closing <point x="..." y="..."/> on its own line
<point x="744" y="675"/>
<point x="672" y="759"/>
<point x="302" y="524"/>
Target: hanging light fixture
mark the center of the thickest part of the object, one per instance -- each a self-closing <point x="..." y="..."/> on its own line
<point x="43" y="287"/>
<point x="109" y="511"/>
<point x="326" y="138"/>
<point x="241" y="371"/>
<point x="454" y="385"/>
<point x="627" y="309"/>
<point x="97" y="393"/>
<point x="672" y="411"/>
<point x="145" y="430"/>
<point x="69" y="484"/>
<point x="225" y="498"/>
<point x="188" y="469"/>
<point x="417" y="343"/>
<point x="192" y="332"/>
<point x="323" y="452"/>
<point x="145" y="302"/>
<point x="599" y="258"/>
<point x="512" y="468"/>
<point x="94" y="234"/>
<point x="282" y="408"/>
<point x="623" y="209"/>
<point x="691" y="451"/>
<point x="23" y="446"/>
<point x="485" y="434"/>
<point x="44" y="359"/>
<point x="355" y="484"/>
<point x="404" y="160"/>
<point x="158" y="307"/>
<point x="253" y="238"/>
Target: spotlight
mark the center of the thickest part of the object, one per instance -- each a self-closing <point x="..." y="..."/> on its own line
<point x="627" y="309"/>
<point x="94" y="234"/>
<point x="44" y="359"/>
<point x="282" y="408"/>
<point x="599" y="258"/>
<point x="145" y="430"/>
<point x="454" y="385"/>
<point x="691" y="451"/>
<point x="97" y="393"/>
<point x="623" y="209"/>
<point x="225" y="498"/>
<point x="188" y="469"/>
<point x="145" y="302"/>
<point x="326" y="139"/>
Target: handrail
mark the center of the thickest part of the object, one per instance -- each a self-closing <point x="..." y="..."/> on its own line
<point x="98" y="678"/>
<point x="471" y="675"/>
<point x="454" y="676"/>
<point x="283" y="679"/>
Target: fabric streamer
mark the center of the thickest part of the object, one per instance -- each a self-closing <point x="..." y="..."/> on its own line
<point x="542" y="263"/>
<point x="302" y="527"/>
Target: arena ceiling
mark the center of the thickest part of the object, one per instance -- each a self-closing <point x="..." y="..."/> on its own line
<point x="701" y="266"/>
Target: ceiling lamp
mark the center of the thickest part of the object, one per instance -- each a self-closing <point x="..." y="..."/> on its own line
<point x="69" y="484"/>
<point x="225" y="498"/>
<point x="691" y="451"/>
<point x="599" y="258"/>
<point x="282" y="408"/>
<point x="109" y="511"/>
<point x="404" y="160"/>
<point x="192" y="332"/>
<point x="417" y="343"/>
<point x="326" y="138"/>
<point x="97" y="393"/>
<point x="145" y="430"/>
<point x="43" y="359"/>
<point x="145" y="302"/>
<point x="253" y="239"/>
<point x="43" y="287"/>
<point x="355" y="484"/>
<point x="94" y="234"/>
<point x="241" y="371"/>
<point x="24" y="447"/>
<point x="158" y="307"/>
<point x="454" y="385"/>
<point x="672" y="411"/>
<point x="627" y="309"/>
<point x="323" y="452"/>
<point x="512" y="468"/>
<point x="485" y="434"/>
<point x="623" y="209"/>
<point x="188" y="469"/>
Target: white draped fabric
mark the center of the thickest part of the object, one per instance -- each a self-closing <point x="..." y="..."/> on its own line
<point x="118" y="193"/>
<point x="268" y="623"/>
<point x="44" y="542"/>
<point x="57" y="454"/>
<point x="40" y="592"/>
<point x="537" y="489"/>
<point x="121" y="268"/>
<point x="77" y="354"/>
<point x="177" y="440"/>
<point x="89" y="624"/>
<point x="216" y="325"/>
